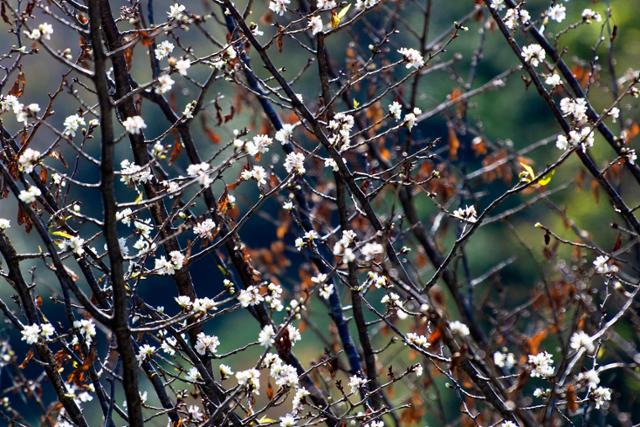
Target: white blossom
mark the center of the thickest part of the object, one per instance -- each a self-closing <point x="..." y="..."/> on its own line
<point x="201" y="172"/>
<point x="418" y="340"/>
<point x="300" y="394"/>
<point x="459" y="328"/>
<point x="257" y="173"/>
<point x="355" y="382"/>
<point x="182" y="65"/>
<point x="28" y="159"/>
<point x="30" y="195"/>
<point x="72" y="123"/>
<point x="225" y="371"/>
<point x="164" y="85"/>
<point x="203" y="305"/>
<point x="468" y="213"/>
<point x="176" y="12"/>
<point x="132" y="173"/>
<point x="332" y="164"/>
<point x="267" y="335"/>
<point x="504" y="360"/>
<point x="533" y="54"/>
<point x="326" y="290"/>
<point x="274" y="297"/>
<point x="315" y="25"/>
<point x="195" y="413"/>
<point x="183" y="302"/>
<point x="294" y="162"/>
<point x="163" y="50"/>
<point x="74" y="243"/>
<point x="366" y="4"/>
<point x="170" y="266"/>
<point x="279" y="7"/>
<point x="193" y="375"/>
<point x="341" y="126"/>
<point x="395" y="109"/>
<point x="145" y="352"/>
<point x="326" y="4"/>
<point x="134" y="125"/>
<point x="553" y="80"/>
<point x="392" y="299"/>
<point x="557" y="12"/>
<point x="601" y="396"/>
<point x="30" y="333"/>
<point x="602" y="265"/>
<point x="259" y="144"/>
<point x="284" y="134"/>
<point x="87" y="329"/>
<point x="576" y="108"/>
<point x="44" y="30"/>
<point x="410" y="119"/>
<point x="589" y="378"/>
<point x="497" y="4"/>
<point x="287" y="421"/>
<point x="206" y="344"/>
<point x="342" y="246"/>
<point x="371" y="250"/>
<point x="250" y="296"/>
<point x="516" y="16"/>
<point x="542" y="365"/>
<point x="249" y="378"/>
<point x="204" y="229"/>
<point x="581" y="340"/>
<point x="413" y="57"/>
<point x="589" y="15"/>
<point x="5" y="224"/>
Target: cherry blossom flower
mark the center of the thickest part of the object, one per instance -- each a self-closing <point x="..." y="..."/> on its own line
<point x="542" y="364"/>
<point x="163" y="50"/>
<point x="164" y="85"/>
<point x="134" y="125"/>
<point x="533" y="54"/>
<point x="395" y="109"/>
<point x="145" y="353"/>
<point x="29" y="159"/>
<point x="589" y="15"/>
<point x="581" y="340"/>
<point x="206" y="344"/>
<point x="30" y="195"/>
<point x="315" y="24"/>
<point x="603" y="266"/>
<point x="557" y="12"/>
<point x="413" y="57"/>
<point x="72" y="123"/>
<point x="294" y="163"/>
<point x="279" y="7"/>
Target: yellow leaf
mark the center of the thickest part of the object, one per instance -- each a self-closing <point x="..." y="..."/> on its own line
<point x="335" y="21"/>
<point x="265" y="420"/>
<point x="62" y="234"/>
<point x="336" y="18"/>
<point x="138" y="199"/>
<point x="547" y="178"/>
<point x="527" y="174"/>
<point x="343" y="11"/>
<point x="355" y="103"/>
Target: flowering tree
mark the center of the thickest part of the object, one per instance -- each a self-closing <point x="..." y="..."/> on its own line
<point x="298" y="212"/>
